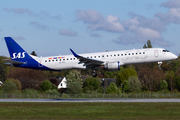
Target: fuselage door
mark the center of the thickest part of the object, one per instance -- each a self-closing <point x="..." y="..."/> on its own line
<point x="156" y="53"/>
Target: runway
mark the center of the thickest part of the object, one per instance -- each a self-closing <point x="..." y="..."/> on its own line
<point x="92" y="100"/>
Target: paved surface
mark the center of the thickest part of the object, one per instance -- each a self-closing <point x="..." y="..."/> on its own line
<point x="91" y="100"/>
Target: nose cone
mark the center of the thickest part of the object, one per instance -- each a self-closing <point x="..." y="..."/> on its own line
<point x="174" y="56"/>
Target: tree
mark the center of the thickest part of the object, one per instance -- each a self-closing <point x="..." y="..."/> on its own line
<point x="177" y="82"/>
<point x="170" y="78"/>
<point x="91" y="83"/>
<point x="149" y="45"/>
<point x="163" y="85"/>
<point x="174" y="65"/>
<point x="134" y="84"/>
<point x="124" y="75"/>
<point x="74" y="82"/>
<point x="18" y="83"/>
<point x="125" y="86"/>
<point x="109" y="74"/>
<point x="45" y="85"/>
<point x="112" y="88"/>
<point x="54" y="81"/>
<point x="34" y="53"/>
<point x="150" y="77"/>
<point x="73" y="76"/>
<point x="74" y="88"/>
<point x="3" y="69"/>
<point x="30" y="79"/>
<point x="9" y="86"/>
<point x="144" y="46"/>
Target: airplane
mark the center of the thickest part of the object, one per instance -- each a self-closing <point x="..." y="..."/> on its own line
<point x="1" y="83"/>
<point x="111" y="60"/>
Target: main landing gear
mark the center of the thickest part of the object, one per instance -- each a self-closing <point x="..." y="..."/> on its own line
<point x="159" y="64"/>
<point x="94" y="74"/>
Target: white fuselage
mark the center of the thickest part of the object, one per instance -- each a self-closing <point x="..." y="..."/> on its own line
<point x="125" y="57"/>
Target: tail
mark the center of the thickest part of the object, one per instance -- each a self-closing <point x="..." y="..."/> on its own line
<point x="17" y="53"/>
<point x="20" y="58"/>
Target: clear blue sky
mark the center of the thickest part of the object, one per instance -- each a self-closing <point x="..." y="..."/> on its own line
<point x="52" y="27"/>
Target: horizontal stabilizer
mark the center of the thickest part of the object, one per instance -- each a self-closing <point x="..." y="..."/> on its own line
<point x="12" y="62"/>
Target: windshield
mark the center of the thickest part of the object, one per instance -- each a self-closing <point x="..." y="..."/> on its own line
<point x="165" y="50"/>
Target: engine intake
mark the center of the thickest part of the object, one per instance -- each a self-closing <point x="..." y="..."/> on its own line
<point x="112" y="66"/>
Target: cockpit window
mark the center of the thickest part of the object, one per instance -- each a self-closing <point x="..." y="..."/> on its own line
<point x="165" y="50"/>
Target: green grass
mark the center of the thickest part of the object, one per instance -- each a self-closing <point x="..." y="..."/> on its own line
<point x="68" y="110"/>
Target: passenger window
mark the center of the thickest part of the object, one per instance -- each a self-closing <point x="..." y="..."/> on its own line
<point x="121" y="54"/>
<point x="132" y="53"/>
<point x="45" y="60"/>
<point x="129" y="54"/>
<point x="143" y="52"/>
<point x="107" y="55"/>
<point x="49" y="60"/>
<point x="118" y="54"/>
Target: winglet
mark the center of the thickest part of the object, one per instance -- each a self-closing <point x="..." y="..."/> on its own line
<point x="75" y="55"/>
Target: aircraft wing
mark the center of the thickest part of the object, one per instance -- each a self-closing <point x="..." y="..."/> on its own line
<point x="88" y="62"/>
<point x="12" y="62"/>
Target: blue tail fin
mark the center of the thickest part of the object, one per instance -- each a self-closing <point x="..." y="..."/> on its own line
<point x="16" y="52"/>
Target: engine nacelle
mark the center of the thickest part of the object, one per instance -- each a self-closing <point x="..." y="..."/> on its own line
<point x="112" y="66"/>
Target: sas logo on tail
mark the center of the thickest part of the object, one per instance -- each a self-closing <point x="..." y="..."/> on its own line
<point x="18" y="55"/>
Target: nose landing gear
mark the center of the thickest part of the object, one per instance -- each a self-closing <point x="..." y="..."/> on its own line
<point x="159" y="64"/>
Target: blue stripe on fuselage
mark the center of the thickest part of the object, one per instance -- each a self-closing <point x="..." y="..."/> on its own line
<point x="31" y="63"/>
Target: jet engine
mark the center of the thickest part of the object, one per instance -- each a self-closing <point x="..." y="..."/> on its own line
<point x="112" y="66"/>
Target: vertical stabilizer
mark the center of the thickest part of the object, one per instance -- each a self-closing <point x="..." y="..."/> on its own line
<point x="16" y="52"/>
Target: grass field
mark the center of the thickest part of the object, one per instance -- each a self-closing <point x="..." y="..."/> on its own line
<point x="125" y="111"/>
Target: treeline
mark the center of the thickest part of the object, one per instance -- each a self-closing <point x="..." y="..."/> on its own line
<point x="131" y="78"/>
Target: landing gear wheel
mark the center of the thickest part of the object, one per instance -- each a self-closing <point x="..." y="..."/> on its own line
<point x="94" y="74"/>
<point x="159" y="63"/>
